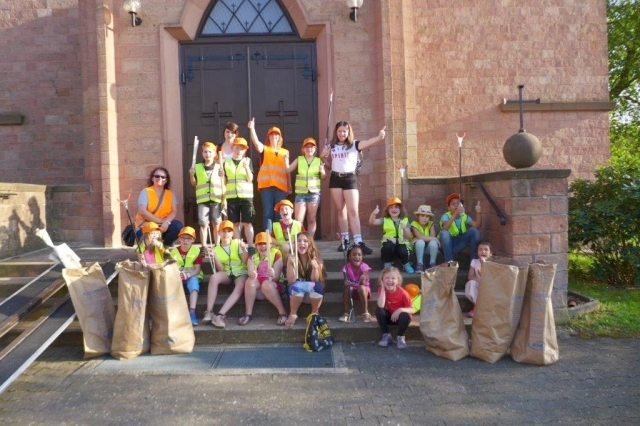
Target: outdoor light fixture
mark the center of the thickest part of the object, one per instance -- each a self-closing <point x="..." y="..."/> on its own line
<point x="354" y="5"/>
<point x="133" y="7"/>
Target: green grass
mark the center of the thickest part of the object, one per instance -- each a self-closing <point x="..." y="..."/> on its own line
<point x="619" y="314"/>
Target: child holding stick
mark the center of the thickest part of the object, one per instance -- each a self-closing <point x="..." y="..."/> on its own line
<point x="356" y="284"/>
<point x="189" y="260"/>
<point x="209" y="186"/>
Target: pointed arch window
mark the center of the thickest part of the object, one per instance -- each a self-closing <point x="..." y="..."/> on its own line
<point x="234" y="17"/>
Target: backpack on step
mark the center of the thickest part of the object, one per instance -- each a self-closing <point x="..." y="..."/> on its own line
<point x="317" y="336"/>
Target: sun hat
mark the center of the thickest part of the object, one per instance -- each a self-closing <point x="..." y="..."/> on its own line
<point x="424" y="209"/>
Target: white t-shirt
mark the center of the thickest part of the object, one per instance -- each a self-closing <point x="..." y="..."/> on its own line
<point x="344" y="159"/>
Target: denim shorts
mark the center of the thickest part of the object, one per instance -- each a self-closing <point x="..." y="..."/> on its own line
<point x="299" y="288"/>
<point x="308" y="198"/>
<point x="193" y="284"/>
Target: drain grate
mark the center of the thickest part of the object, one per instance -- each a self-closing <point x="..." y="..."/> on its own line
<point x="228" y="358"/>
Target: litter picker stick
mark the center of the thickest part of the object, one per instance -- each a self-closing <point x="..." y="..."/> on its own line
<point x="293" y="250"/>
<point x="195" y="151"/>
<point x="125" y="204"/>
<point x="352" y="311"/>
<point x="223" y="201"/>
<point x="209" y="237"/>
<point x="460" y="139"/>
<point x="326" y="138"/>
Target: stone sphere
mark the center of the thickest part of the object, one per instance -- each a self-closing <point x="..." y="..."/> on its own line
<point x="522" y="150"/>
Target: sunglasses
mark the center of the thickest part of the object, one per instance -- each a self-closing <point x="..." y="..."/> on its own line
<point x="159" y="176"/>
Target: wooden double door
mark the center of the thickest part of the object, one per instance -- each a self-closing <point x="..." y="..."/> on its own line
<point x="272" y="82"/>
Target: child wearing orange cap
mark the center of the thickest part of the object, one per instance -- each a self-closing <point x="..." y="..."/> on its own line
<point x="151" y="249"/>
<point x="209" y="186"/>
<point x="396" y="233"/>
<point x="458" y="230"/>
<point x="264" y="269"/>
<point x="424" y="235"/>
<point x="230" y="259"/>
<point x="309" y="177"/>
<point x="239" y="191"/>
<point x="274" y="180"/>
<point x="286" y="227"/>
<point x="189" y="260"/>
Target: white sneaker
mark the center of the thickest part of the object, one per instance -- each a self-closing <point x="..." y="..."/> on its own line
<point x="208" y="315"/>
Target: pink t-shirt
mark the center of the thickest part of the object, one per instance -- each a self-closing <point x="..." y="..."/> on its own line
<point x="353" y="275"/>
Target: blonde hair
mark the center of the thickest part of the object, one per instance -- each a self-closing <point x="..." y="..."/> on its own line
<point x="390" y="270"/>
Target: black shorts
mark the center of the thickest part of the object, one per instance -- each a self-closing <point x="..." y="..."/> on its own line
<point x="349" y="181"/>
<point x="240" y="210"/>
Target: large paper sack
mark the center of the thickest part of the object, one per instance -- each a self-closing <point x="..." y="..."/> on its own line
<point x="497" y="309"/>
<point x="171" y="329"/>
<point x="131" y="329"/>
<point x="535" y="341"/>
<point x="94" y="307"/>
<point x="441" y="321"/>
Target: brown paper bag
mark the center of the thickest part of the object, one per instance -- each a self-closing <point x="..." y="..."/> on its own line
<point x="94" y="307"/>
<point x="535" y="341"/>
<point x="171" y="329"/>
<point x="498" y="308"/>
<point x="441" y="321"/>
<point x="131" y="328"/>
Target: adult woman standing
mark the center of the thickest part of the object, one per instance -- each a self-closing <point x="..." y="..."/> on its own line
<point x="157" y="203"/>
<point x="343" y="184"/>
<point x="273" y="176"/>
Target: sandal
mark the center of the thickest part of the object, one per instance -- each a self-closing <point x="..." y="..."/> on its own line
<point x="282" y="319"/>
<point x="244" y="320"/>
<point x="344" y="318"/>
<point x="366" y="317"/>
<point x="219" y="320"/>
<point x="291" y="320"/>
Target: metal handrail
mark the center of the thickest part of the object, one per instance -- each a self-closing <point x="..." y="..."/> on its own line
<point x="500" y="213"/>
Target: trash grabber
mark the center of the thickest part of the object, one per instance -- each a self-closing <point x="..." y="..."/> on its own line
<point x="352" y="311"/>
<point x="211" y="258"/>
<point x="326" y="137"/>
<point x="293" y="251"/>
<point x="223" y="199"/>
<point x="125" y="203"/>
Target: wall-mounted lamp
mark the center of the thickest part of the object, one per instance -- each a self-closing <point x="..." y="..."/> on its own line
<point x="133" y="7"/>
<point x="354" y="5"/>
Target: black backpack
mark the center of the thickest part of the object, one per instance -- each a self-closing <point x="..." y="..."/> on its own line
<point x="317" y="336"/>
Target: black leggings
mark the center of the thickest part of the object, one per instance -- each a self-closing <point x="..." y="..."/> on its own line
<point x="384" y="321"/>
<point x="391" y="250"/>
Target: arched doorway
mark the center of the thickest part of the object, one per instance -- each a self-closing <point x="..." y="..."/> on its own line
<point x="246" y="61"/>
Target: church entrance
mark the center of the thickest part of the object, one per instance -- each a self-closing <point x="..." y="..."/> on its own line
<point x="273" y="82"/>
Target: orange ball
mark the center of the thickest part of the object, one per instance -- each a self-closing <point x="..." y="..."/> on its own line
<point x="412" y="289"/>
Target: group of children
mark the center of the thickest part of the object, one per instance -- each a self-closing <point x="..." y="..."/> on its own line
<point x="286" y="256"/>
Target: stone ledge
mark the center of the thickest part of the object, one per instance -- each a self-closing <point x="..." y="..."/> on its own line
<point x="558" y="106"/>
<point x="527" y="173"/>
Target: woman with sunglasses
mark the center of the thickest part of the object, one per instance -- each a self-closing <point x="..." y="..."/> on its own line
<point x="157" y="203"/>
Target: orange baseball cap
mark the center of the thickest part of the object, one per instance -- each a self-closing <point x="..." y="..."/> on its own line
<point x="241" y="141"/>
<point x="393" y="200"/>
<point x="262" y="238"/>
<point x="452" y="196"/>
<point x="187" y="230"/>
<point x="309" y="141"/>
<point x="274" y="130"/>
<point x="225" y="224"/>
<point x="148" y="227"/>
<point x="281" y="204"/>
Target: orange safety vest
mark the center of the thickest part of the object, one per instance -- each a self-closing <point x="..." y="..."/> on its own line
<point x="152" y="202"/>
<point x="273" y="170"/>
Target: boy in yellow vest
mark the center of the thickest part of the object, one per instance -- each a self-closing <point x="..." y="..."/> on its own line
<point x="231" y="268"/>
<point x="458" y="230"/>
<point x="209" y="184"/>
<point x="287" y="225"/>
<point x="151" y="249"/>
<point x="190" y="262"/>
<point x="239" y="191"/>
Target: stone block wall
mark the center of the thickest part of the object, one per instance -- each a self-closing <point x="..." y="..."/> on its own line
<point x="22" y="212"/>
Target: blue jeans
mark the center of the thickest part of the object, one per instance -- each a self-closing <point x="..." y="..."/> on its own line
<point x="270" y="197"/>
<point x="451" y="245"/>
<point x="433" y="251"/>
<point x="169" y="236"/>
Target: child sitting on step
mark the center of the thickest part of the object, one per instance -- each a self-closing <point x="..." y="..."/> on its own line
<point x="189" y="260"/>
<point x="285" y="228"/>
<point x="264" y="269"/>
<point x="356" y="284"/>
<point x="394" y="307"/>
<point x="424" y="235"/>
<point x="485" y="251"/>
<point x="151" y="249"/>
<point x="396" y="233"/>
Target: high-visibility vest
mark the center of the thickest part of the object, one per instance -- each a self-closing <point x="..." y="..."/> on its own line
<point x="158" y="253"/>
<point x="208" y="187"/>
<point x="152" y="202"/>
<point x="453" y="229"/>
<point x="272" y="257"/>
<point x="308" y="177"/>
<point x="423" y="231"/>
<point x="278" y="231"/>
<point x="392" y="232"/>
<point x="273" y="171"/>
<point x="237" y="184"/>
<point x="187" y="263"/>
<point x="232" y="262"/>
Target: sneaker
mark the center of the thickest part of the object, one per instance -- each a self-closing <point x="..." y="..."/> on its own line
<point x="194" y="320"/>
<point x="386" y="339"/>
<point x="366" y="317"/>
<point x="219" y="321"/>
<point x="388" y="264"/>
<point x="251" y="250"/>
<point x="344" y="318"/>
<point x="341" y="246"/>
<point x="409" y="269"/>
<point x="365" y="249"/>
<point x="419" y="268"/>
<point x="401" y="343"/>
<point x="207" y="316"/>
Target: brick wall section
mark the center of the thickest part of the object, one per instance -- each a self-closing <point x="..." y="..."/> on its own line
<point x="40" y="75"/>
<point x="22" y="211"/>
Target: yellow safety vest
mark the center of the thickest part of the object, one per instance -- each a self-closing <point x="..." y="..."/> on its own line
<point x="453" y="229"/>
<point x="208" y="188"/>
<point x="423" y="231"/>
<point x="237" y="184"/>
<point x="392" y="232"/>
<point x="187" y="263"/>
<point x="159" y="253"/>
<point x="278" y="232"/>
<point x="232" y="262"/>
<point x="308" y="177"/>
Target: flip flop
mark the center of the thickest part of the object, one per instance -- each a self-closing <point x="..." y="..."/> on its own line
<point x="291" y="320"/>
<point x="244" y="320"/>
<point x="282" y="319"/>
